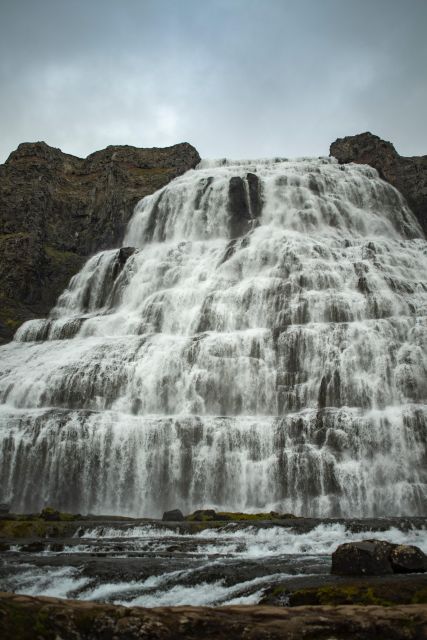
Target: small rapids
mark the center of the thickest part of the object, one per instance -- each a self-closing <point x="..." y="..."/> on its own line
<point x="149" y="566"/>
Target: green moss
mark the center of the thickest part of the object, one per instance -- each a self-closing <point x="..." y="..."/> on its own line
<point x="381" y="595"/>
<point x="5" y="237"/>
<point x="233" y="516"/>
<point x="41" y="624"/>
<point x="277" y="591"/>
<point x="352" y="595"/>
<point x="32" y="528"/>
<point x="59" y="256"/>
<point x="12" y="323"/>
<point x="28" y="623"/>
<point x="420" y="597"/>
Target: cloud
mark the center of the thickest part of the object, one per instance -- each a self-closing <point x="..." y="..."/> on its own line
<point x="236" y="77"/>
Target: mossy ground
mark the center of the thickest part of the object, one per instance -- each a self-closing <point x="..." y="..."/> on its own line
<point x="384" y="594"/>
<point x="233" y="516"/>
<point x="30" y="526"/>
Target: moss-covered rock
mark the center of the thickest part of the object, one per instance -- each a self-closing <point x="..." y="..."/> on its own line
<point x="209" y="515"/>
<point x="27" y="618"/>
<point x="383" y="592"/>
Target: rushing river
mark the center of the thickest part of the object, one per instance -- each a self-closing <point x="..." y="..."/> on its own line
<point x="153" y="566"/>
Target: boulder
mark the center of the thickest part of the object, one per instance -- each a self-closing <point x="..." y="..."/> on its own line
<point x="175" y="515"/>
<point x="50" y="515"/>
<point x="408" y="559"/>
<point x="377" y="557"/>
<point x="367" y="557"/>
<point x="4" y="507"/>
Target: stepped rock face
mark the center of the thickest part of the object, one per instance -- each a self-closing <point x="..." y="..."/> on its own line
<point x="262" y="349"/>
<point x="57" y="209"/>
<point x="408" y="175"/>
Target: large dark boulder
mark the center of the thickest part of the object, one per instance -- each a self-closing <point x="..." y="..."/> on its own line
<point x="4" y="507"/>
<point x="377" y="557"/>
<point x="408" y="559"/>
<point x="367" y="557"/>
<point x="57" y="209"/>
<point x="407" y="174"/>
<point x="175" y="515"/>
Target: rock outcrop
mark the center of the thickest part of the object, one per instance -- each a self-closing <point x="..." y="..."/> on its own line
<point x="26" y="617"/>
<point x="377" y="557"/>
<point x="57" y="209"/>
<point x="175" y="515"/>
<point x="407" y="174"/>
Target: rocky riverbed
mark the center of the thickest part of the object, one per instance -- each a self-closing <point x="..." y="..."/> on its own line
<point x="141" y="562"/>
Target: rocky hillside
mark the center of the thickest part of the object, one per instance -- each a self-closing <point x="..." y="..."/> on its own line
<point x="408" y="175"/>
<point x="57" y="209"/>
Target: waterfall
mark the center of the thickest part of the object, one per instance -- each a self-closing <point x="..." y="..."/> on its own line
<point x="259" y="342"/>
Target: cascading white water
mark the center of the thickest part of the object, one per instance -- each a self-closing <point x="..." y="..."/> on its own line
<point x="264" y="347"/>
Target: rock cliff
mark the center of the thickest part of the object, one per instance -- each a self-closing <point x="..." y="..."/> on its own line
<point x="57" y="209"/>
<point x="408" y="175"/>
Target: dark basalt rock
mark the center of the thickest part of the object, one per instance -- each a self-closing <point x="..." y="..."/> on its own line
<point x="368" y="557"/>
<point x="240" y="217"/>
<point x="407" y="174"/>
<point x="57" y="209"/>
<point x="125" y="253"/>
<point x="244" y="204"/>
<point x="4" y="507"/>
<point x="175" y="515"/>
<point x="377" y="557"/>
<point x="203" y="515"/>
<point x="50" y="515"/>
<point x="408" y="559"/>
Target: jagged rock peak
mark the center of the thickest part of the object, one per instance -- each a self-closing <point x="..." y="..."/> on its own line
<point x="363" y="145"/>
<point x="407" y="174"/>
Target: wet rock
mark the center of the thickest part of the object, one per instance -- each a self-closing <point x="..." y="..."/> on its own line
<point x="407" y="174"/>
<point x="203" y="515"/>
<point x="377" y="557"/>
<point x="4" y="507"/>
<point x="364" y="591"/>
<point x="57" y="209"/>
<point x="238" y="206"/>
<point x="125" y="253"/>
<point x="254" y="189"/>
<point x="33" y="547"/>
<point x="368" y="557"/>
<point x="408" y="559"/>
<point x="175" y="515"/>
<point x="50" y="515"/>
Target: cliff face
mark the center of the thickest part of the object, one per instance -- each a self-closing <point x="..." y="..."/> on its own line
<point x="57" y="209"/>
<point x="408" y="175"/>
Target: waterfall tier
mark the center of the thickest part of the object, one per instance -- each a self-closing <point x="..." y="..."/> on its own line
<point x="259" y="342"/>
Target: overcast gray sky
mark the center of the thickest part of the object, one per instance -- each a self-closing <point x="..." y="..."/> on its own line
<point x="237" y="78"/>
